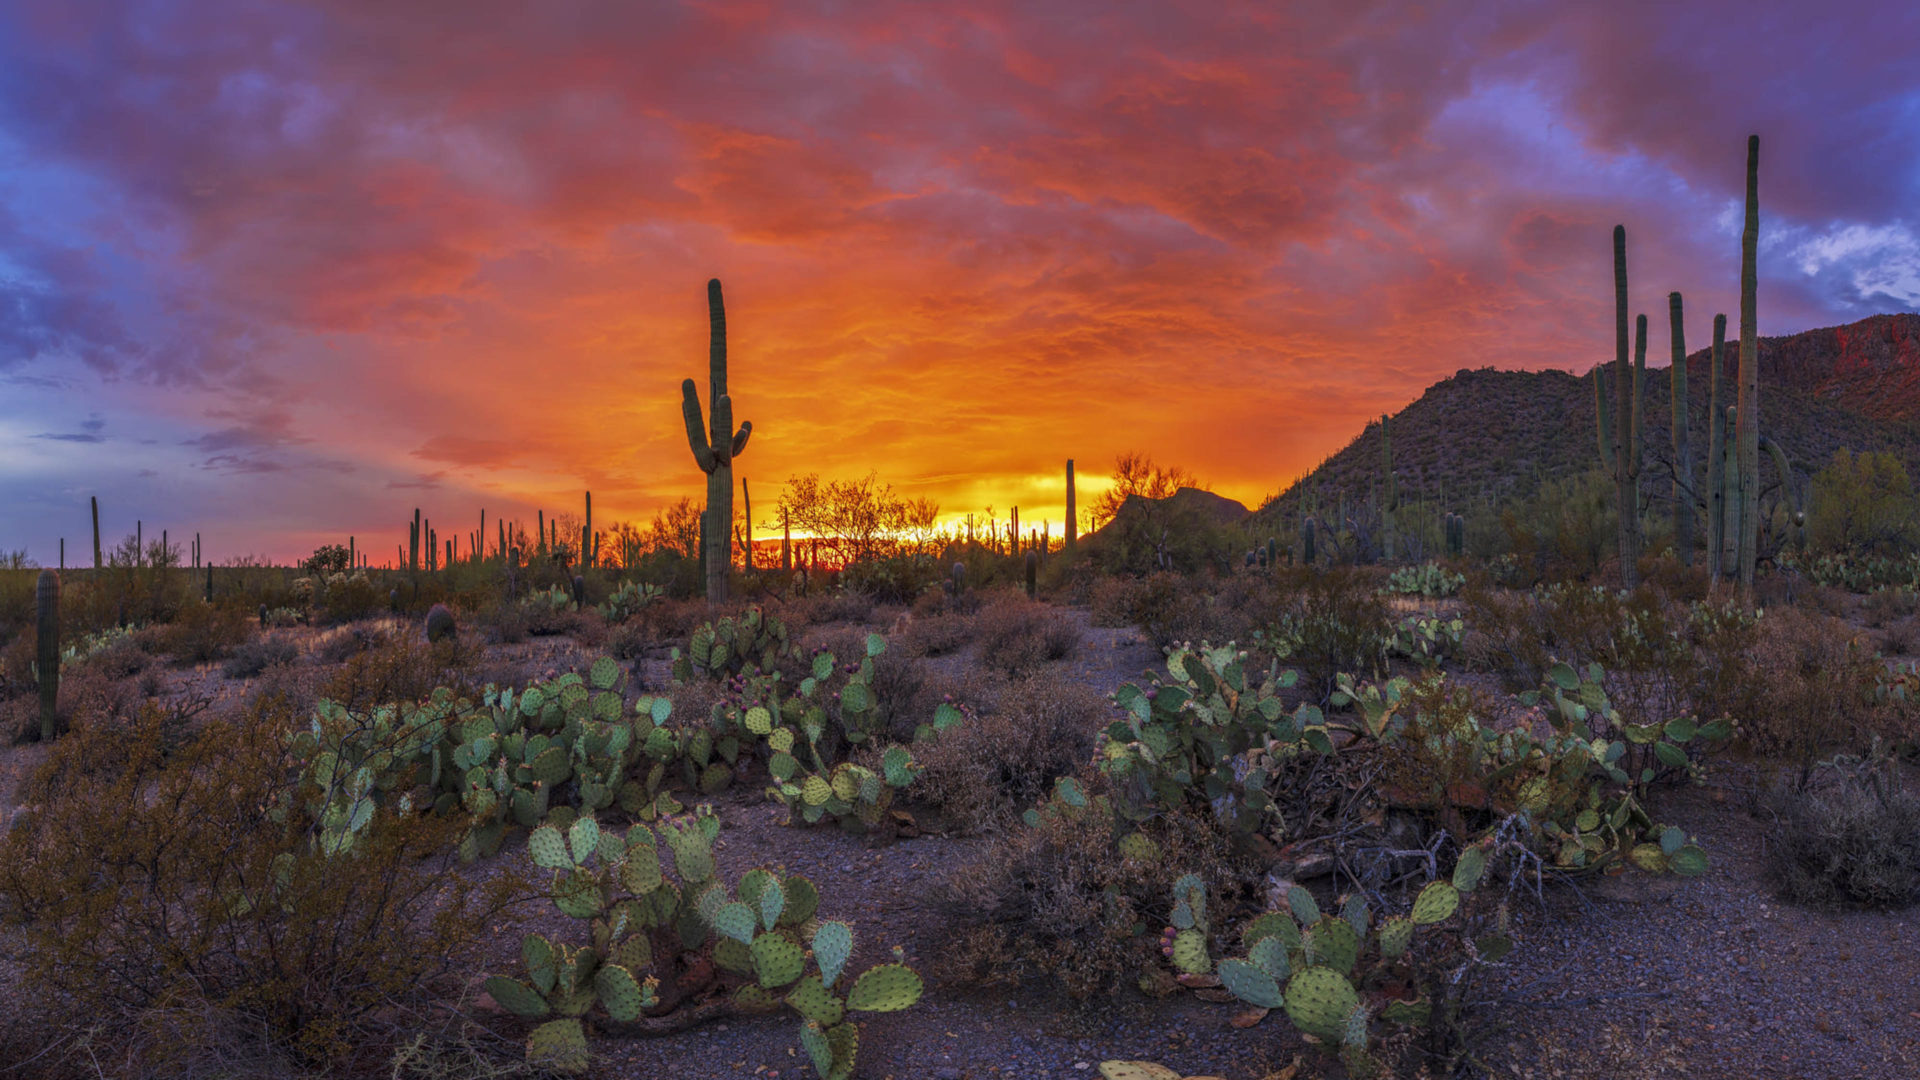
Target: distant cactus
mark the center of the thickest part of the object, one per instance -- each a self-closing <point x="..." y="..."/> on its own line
<point x="1747" y="422"/>
<point x="579" y="589"/>
<point x="1683" y="509"/>
<point x="1033" y="571"/>
<point x="715" y="448"/>
<point x="46" y="602"/>
<point x="1618" y="429"/>
<point x="1306" y="541"/>
<point x="1073" y="522"/>
<point x="439" y="623"/>
<point x="263" y="616"/>
<point x="95" y="500"/>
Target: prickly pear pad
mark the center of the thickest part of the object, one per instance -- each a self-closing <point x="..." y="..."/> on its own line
<point x="887" y="988"/>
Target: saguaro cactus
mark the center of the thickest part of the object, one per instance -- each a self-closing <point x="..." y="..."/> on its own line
<point x="1619" y="434"/>
<point x="95" y="500"/>
<point x="1716" y="457"/>
<point x="715" y="448"/>
<point x="46" y="603"/>
<point x="746" y="513"/>
<point x="1747" y="423"/>
<point x="1389" y="492"/>
<point x="1073" y="523"/>
<point x="586" y="535"/>
<point x="1682" y="442"/>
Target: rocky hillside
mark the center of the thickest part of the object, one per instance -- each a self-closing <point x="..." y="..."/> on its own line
<point x="1490" y="435"/>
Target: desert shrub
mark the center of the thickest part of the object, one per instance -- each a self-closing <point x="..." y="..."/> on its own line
<point x="1811" y="700"/>
<point x="934" y="634"/>
<point x="162" y="887"/>
<point x="1853" y="838"/>
<point x="124" y="655"/>
<point x="353" y="597"/>
<point x="341" y="644"/>
<point x="1017" y="636"/>
<point x="1862" y="505"/>
<point x="1112" y="602"/>
<point x="202" y="632"/>
<point x="628" y="641"/>
<point x="1899" y="638"/>
<point x="259" y="654"/>
<point x="895" y="579"/>
<point x="1064" y="901"/>
<point x="1328" y="621"/>
<point x="841" y="606"/>
<point x="1888" y="603"/>
<point x="994" y="765"/>
<point x="399" y="669"/>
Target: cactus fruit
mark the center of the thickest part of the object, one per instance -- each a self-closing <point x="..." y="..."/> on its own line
<point x="1319" y="1000"/>
<point x="887" y="988"/>
<point x="46" y="605"/>
<point x="440" y="624"/>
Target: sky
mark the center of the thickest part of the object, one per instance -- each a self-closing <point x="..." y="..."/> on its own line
<point x="279" y="273"/>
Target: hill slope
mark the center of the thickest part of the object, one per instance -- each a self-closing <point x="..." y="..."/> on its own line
<point x="1492" y="435"/>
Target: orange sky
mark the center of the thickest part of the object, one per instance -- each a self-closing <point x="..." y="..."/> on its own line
<point x="282" y="275"/>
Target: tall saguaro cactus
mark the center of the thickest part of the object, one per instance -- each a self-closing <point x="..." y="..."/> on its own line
<point x="1682" y="441"/>
<point x="1619" y="433"/>
<point x="1716" y="457"/>
<point x="1073" y="523"/>
<point x="715" y="448"/>
<point x="95" y="500"/>
<point x="1747" y="423"/>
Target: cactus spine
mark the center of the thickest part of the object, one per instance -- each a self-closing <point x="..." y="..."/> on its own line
<point x="1682" y="443"/>
<point x="46" y="603"/>
<point x="1747" y="424"/>
<point x="1620" y="446"/>
<point x="715" y="449"/>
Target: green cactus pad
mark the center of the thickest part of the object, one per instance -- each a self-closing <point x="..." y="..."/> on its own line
<point x="773" y="901"/>
<point x="1466" y="872"/>
<point x="548" y="848"/>
<point x="1140" y="847"/>
<point x="732" y="955"/>
<point x="558" y="1045"/>
<point x="1190" y="952"/>
<point x="620" y="992"/>
<point x="1250" y="984"/>
<point x="583" y="839"/>
<point x="815" y="792"/>
<point x="1319" y="1000"/>
<point x="1305" y="909"/>
<point x="1688" y="861"/>
<point x="604" y="673"/>
<point x="1182" y="916"/>
<point x="1356" y="914"/>
<point x="1355" y="1035"/>
<point x="777" y="961"/>
<point x="537" y="953"/>
<point x="814" y="1002"/>
<point x="552" y="766"/>
<point x="1333" y="943"/>
<point x="1269" y="954"/>
<point x="636" y="953"/>
<point x="640" y="873"/>
<point x="692" y="854"/>
<point x="578" y="894"/>
<point x="1275" y="924"/>
<point x="517" y="997"/>
<point x="1435" y="902"/>
<point x="803" y="899"/>
<point x="832" y="946"/>
<point x="736" y="920"/>
<point x="887" y="988"/>
<point x="832" y="1049"/>
<point x="783" y="766"/>
<point x="1395" y="935"/>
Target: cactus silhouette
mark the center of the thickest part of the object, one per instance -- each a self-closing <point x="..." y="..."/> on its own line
<point x="715" y="448"/>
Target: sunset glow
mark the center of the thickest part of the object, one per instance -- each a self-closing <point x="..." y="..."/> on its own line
<point x="278" y="275"/>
